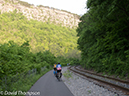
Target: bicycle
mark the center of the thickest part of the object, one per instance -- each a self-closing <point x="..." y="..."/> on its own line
<point x="59" y="74"/>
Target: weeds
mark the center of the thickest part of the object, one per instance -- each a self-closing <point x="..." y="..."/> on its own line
<point x="67" y="74"/>
<point x="89" y="91"/>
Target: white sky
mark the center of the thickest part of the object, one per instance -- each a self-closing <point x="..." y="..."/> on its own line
<point x="73" y="6"/>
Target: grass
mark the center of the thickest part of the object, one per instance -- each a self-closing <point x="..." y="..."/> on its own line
<point x="67" y="74"/>
<point x="24" y="84"/>
<point x="89" y="91"/>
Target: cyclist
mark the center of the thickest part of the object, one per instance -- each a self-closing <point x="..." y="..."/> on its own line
<point x="58" y="67"/>
<point x="54" y="67"/>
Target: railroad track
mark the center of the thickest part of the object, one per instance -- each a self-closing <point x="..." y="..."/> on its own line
<point x="112" y="83"/>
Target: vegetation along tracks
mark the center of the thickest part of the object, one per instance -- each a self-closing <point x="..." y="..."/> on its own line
<point x="104" y="81"/>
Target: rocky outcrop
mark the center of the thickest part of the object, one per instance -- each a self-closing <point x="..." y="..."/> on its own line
<point x="41" y="13"/>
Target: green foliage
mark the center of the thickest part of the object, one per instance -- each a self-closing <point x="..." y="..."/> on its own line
<point x="38" y="67"/>
<point x="17" y="59"/>
<point x="103" y="36"/>
<point x="41" y="35"/>
<point x="47" y="66"/>
<point x="12" y="57"/>
<point x="24" y="83"/>
<point x="30" y="44"/>
<point x="67" y="74"/>
<point x="74" y="61"/>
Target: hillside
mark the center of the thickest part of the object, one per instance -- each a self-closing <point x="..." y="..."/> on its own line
<point x="32" y="39"/>
<point x="104" y="37"/>
<point x="41" y="36"/>
<point x="45" y="28"/>
<point x="41" y="13"/>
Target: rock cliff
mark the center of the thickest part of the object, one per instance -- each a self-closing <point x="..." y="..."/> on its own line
<point x="41" y="13"/>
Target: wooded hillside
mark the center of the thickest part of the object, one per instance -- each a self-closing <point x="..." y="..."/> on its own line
<point x="61" y="41"/>
<point x="28" y="45"/>
<point x="104" y="36"/>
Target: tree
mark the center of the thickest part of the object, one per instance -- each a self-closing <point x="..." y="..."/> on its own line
<point x="103" y="36"/>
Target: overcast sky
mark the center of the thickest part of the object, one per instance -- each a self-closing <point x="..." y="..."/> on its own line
<point x="73" y="6"/>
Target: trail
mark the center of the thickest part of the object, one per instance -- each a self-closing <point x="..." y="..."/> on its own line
<point x="48" y="85"/>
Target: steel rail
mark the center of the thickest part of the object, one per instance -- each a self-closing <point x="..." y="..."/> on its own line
<point x="117" y="87"/>
<point x="115" y="79"/>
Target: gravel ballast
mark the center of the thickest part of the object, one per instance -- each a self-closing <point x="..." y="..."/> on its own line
<point x="82" y="87"/>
